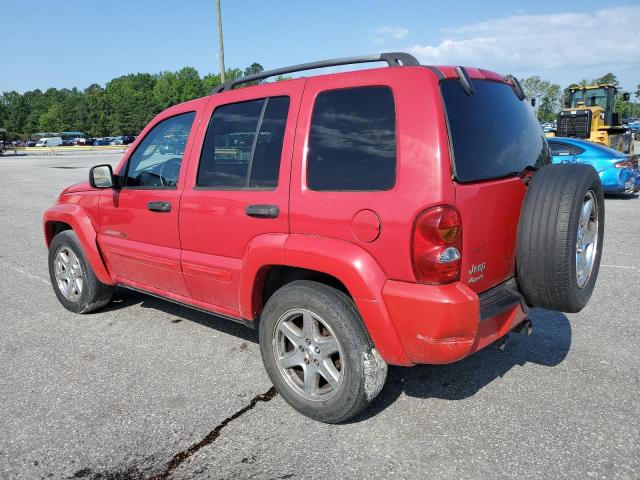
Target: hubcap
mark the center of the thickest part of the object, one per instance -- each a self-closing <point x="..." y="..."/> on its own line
<point x="308" y="354"/>
<point x="68" y="273"/>
<point x="587" y="239"/>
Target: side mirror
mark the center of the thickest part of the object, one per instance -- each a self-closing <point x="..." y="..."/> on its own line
<point x="626" y="96"/>
<point x="101" y="176"/>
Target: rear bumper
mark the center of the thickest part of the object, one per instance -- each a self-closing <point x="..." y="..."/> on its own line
<point x="443" y="324"/>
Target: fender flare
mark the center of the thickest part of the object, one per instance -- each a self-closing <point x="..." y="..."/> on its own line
<point x="77" y="218"/>
<point x="350" y="264"/>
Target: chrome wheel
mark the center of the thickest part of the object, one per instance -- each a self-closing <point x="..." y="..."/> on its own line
<point x="68" y="272"/>
<point x="308" y="355"/>
<point x="587" y="239"/>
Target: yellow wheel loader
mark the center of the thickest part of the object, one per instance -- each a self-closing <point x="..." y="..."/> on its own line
<point x="589" y="113"/>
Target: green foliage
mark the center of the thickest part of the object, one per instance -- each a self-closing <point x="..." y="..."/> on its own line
<point x="608" y="78"/>
<point x="547" y="95"/>
<point x="123" y="106"/>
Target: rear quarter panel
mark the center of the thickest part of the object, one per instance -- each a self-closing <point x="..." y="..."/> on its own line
<point x="423" y="176"/>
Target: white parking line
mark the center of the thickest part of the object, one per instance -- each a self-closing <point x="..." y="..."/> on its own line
<point x="27" y="274"/>
<point x="624" y="267"/>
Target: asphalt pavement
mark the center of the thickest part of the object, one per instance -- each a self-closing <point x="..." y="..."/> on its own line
<point x="146" y="388"/>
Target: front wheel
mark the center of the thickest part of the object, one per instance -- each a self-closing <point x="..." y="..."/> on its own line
<point x="317" y="352"/>
<point x="73" y="280"/>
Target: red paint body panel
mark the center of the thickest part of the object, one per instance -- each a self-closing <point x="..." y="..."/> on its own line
<point x="490" y="212"/>
<point x="214" y="228"/>
<point x="78" y="214"/>
<point x="364" y="279"/>
<point x="423" y="176"/>
<point x="209" y="254"/>
<point x="262" y="252"/>
<point x="441" y="324"/>
<point x="140" y="245"/>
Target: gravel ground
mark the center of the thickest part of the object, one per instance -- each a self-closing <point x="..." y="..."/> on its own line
<point x="148" y="388"/>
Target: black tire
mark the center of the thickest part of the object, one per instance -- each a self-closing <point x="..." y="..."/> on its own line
<point x="363" y="371"/>
<point x="547" y="237"/>
<point x="94" y="294"/>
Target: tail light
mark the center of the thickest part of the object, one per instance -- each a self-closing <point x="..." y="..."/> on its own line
<point x="437" y="245"/>
<point x="625" y="164"/>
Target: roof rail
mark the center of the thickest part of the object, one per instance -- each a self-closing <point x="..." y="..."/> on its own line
<point x="393" y="59"/>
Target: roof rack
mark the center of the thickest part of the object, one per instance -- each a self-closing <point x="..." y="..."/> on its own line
<point x="393" y="59"/>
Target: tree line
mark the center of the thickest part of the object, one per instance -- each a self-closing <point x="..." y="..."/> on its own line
<point x="122" y="107"/>
<point x="127" y="103"/>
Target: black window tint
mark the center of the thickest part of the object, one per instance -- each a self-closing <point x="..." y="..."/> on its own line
<point x="266" y="158"/>
<point x="559" y="148"/>
<point x="243" y="145"/>
<point x="156" y="162"/>
<point x="352" y="142"/>
<point x="576" y="150"/>
<point x="493" y="133"/>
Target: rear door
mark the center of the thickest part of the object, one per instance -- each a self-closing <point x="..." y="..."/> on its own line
<point x="237" y="186"/>
<point x="494" y="139"/>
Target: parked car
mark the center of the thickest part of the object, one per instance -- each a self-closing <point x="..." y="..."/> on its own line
<point x="30" y="143"/>
<point x="100" y="141"/>
<point x="49" y="142"/>
<point x="116" y="141"/>
<point x="618" y="172"/>
<point x="128" y="139"/>
<point x="357" y="219"/>
<point x="634" y="126"/>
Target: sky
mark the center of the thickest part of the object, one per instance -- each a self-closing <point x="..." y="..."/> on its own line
<point x="77" y="43"/>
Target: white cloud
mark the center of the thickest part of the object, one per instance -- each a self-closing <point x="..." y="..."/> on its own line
<point x="568" y="44"/>
<point x="396" y="33"/>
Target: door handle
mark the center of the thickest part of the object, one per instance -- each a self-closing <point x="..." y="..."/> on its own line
<point x="262" y="211"/>
<point x="159" y="206"/>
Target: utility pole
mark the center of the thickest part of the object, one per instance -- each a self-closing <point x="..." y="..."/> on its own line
<point x="220" y="44"/>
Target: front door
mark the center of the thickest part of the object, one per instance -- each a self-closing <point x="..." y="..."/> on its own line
<point x="139" y="221"/>
<point x="237" y="186"/>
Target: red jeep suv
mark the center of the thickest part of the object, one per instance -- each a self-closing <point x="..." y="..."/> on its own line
<point x="398" y="215"/>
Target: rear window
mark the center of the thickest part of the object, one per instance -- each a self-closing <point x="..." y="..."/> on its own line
<point x="493" y="133"/>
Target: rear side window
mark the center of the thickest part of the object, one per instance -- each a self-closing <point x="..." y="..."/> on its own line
<point x="493" y="133"/>
<point x="243" y="145"/>
<point x="559" y="148"/>
<point x="576" y="150"/>
<point x="352" y="142"/>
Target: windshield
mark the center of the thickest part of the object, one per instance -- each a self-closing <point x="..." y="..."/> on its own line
<point x="493" y="133"/>
<point x="592" y="97"/>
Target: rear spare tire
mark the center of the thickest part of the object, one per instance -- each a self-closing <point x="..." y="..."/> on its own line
<point x="560" y="237"/>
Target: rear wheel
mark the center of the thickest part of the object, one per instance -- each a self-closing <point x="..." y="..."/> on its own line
<point x="73" y="280"/>
<point x="560" y="237"/>
<point x="317" y="352"/>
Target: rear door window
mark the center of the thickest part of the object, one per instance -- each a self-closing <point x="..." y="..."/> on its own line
<point x="493" y="134"/>
<point x="352" y="142"/>
<point x="243" y="145"/>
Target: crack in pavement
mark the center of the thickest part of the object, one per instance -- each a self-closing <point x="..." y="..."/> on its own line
<point x="212" y="436"/>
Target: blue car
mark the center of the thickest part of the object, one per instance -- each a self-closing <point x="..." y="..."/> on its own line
<point x="618" y="173"/>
